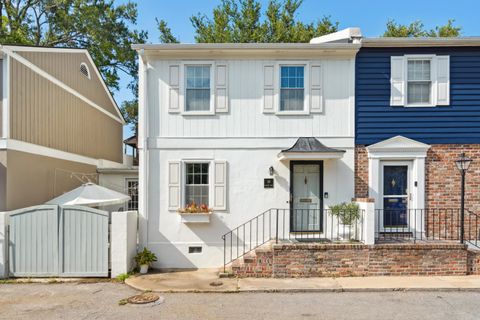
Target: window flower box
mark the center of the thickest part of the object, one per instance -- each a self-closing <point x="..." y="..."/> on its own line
<point x="195" y="217"/>
<point x="193" y="213"/>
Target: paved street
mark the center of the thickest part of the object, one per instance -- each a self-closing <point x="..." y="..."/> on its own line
<point x="100" y="301"/>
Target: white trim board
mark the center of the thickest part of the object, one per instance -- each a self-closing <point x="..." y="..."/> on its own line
<point x="11" y="144"/>
<point x="62" y="85"/>
<point x="5" y="102"/>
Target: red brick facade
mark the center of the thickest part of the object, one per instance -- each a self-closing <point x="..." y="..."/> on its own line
<point x="442" y="179"/>
<point x="343" y="260"/>
<point x="361" y="172"/>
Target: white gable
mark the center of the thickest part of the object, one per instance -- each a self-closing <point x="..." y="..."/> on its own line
<point x="398" y="144"/>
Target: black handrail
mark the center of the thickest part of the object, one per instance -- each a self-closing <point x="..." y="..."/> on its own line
<point x="299" y="224"/>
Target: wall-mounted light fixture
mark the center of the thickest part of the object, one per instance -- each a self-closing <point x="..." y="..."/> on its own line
<point x="271" y="170"/>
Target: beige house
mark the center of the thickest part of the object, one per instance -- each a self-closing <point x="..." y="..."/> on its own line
<point x="58" y="124"/>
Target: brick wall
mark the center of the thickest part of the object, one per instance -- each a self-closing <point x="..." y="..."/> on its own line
<point x="361" y="172"/>
<point x="442" y="180"/>
<point x="301" y="260"/>
<point x="473" y="262"/>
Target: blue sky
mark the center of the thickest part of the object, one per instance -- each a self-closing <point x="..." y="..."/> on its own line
<point x="371" y="16"/>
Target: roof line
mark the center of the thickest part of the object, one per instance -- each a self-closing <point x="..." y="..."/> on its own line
<point x="71" y="49"/>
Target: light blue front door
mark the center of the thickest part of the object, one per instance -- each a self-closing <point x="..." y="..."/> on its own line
<point x="306" y="196"/>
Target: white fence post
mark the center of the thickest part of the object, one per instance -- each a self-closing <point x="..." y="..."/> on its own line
<point x="368" y="207"/>
<point x="3" y="245"/>
<point x="123" y="241"/>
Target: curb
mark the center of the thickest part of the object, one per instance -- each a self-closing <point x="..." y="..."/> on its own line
<point x="308" y="290"/>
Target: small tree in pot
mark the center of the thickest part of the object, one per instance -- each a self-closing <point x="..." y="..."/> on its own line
<point x="144" y="259"/>
<point x="348" y="214"/>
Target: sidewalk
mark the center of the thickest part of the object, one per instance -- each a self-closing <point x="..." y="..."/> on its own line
<point x="206" y="280"/>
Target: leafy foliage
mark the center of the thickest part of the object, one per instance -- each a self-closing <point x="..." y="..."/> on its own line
<point x="241" y="21"/>
<point x="145" y="257"/>
<point x="416" y="29"/>
<point x="348" y="213"/>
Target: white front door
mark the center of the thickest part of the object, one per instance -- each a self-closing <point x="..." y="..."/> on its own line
<point x="306" y="195"/>
<point x="395" y="194"/>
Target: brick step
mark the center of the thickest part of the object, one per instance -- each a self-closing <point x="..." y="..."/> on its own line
<point x="253" y="263"/>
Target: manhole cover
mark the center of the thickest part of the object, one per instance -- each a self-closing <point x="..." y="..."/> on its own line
<point x="143" y="298"/>
<point x="216" y="283"/>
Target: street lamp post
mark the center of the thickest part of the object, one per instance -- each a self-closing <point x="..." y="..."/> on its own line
<point x="462" y="164"/>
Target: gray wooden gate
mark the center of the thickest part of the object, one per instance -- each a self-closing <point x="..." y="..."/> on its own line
<point x="64" y="241"/>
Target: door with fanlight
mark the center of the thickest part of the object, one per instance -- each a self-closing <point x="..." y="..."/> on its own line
<point x="396" y="195"/>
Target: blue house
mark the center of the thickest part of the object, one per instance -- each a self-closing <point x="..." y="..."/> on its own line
<point x="417" y="105"/>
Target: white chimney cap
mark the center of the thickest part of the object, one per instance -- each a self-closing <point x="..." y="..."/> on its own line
<point x="348" y="35"/>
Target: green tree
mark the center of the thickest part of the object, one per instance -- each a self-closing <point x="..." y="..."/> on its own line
<point x="417" y="29"/>
<point x="242" y="21"/>
<point x="100" y="26"/>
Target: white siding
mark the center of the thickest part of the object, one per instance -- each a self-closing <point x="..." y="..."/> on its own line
<point x="248" y="140"/>
<point x="245" y="117"/>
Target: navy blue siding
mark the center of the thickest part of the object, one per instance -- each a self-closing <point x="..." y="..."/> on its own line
<point x="376" y="120"/>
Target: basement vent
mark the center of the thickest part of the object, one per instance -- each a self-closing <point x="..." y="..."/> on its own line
<point x="194" y="249"/>
<point x="84" y="70"/>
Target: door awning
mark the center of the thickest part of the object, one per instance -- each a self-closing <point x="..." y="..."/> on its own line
<point x="309" y="148"/>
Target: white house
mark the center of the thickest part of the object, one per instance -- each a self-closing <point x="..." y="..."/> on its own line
<point x="242" y="128"/>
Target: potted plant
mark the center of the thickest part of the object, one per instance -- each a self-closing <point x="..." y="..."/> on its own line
<point x="193" y="213"/>
<point x="347" y="214"/>
<point x="144" y="259"/>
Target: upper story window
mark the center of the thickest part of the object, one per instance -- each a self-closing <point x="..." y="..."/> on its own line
<point x="196" y="183"/>
<point x="419" y="81"/>
<point x="197" y="92"/>
<point x="292" y="90"/>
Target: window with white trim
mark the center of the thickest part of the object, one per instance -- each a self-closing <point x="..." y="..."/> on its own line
<point x="419" y="81"/>
<point x="132" y="191"/>
<point x="197" y="88"/>
<point x="292" y="88"/>
<point x="197" y="183"/>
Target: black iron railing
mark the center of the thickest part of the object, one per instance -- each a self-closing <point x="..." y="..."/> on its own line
<point x="425" y="224"/>
<point x="306" y="225"/>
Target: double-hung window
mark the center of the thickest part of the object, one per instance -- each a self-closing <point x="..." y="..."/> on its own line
<point x="132" y="191"/>
<point x="197" y="91"/>
<point x="419" y="82"/>
<point x="292" y="88"/>
<point x="196" y="183"/>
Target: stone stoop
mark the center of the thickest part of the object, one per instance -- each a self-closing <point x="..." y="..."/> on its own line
<point x="254" y="264"/>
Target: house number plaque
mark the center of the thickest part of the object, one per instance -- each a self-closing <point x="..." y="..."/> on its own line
<point x="268" y="183"/>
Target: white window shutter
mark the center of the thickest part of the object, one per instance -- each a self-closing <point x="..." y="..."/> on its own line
<point x="443" y="80"/>
<point x="174" y="183"/>
<point x="397" y="81"/>
<point x="221" y="89"/>
<point x="174" y="89"/>
<point x="268" y="88"/>
<point x="220" y="185"/>
<point x="316" y="96"/>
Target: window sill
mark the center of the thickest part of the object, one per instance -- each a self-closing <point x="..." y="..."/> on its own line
<point x="198" y="113"/>
<point x="419" y="106"/>
<point x="292" y="113"/>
